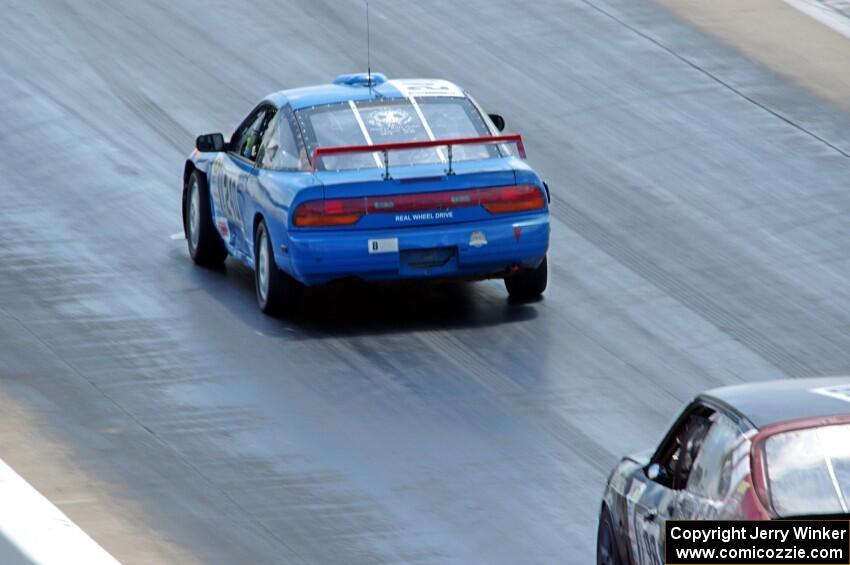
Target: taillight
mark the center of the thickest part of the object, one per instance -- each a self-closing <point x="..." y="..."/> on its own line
<point x="422" y="201"/>
<point x="512" y="199"/>
<point x="338" y="212"/>
<point x="348" y="211"/>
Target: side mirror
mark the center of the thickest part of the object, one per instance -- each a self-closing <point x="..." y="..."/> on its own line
<point x="498" y="121"/>
<point x="210" y="143"/>
<point x="654" y="472"/>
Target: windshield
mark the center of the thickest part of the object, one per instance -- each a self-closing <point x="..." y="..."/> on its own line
<point x="390" y="121"/>
<point x="809" y="471"/>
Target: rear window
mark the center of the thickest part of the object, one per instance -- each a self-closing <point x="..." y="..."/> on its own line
<point x="809" y="471"/>
<point x="391" y="121"/>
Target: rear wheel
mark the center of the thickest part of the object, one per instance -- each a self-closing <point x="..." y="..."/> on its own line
<point x="277" y="292"/>
<point x="606" y="544"/>
<point x="205" y="245"/>
<point x="528" y="284"/>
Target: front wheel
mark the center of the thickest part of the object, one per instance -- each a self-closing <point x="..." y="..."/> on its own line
<point x="277" y="292"/>
<point x="606" y="544"/>
<point x="528" y="284"/>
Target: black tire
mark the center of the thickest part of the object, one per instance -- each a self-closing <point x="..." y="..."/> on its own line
<point x="277" y="292"/>
<point x="528" y="284"/>
<point x="606" y="541"/>
<point x="205" y="245"/>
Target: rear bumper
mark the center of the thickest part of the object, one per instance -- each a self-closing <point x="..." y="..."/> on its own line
<point x="465" y="250"/>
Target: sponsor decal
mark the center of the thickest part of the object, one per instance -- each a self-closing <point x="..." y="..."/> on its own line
<point x="225" y="188"/>
<point x="222" y="228"/>
<point x="632" y="498"/>
<point x="386" y="245"/>
<point x="426" y="87"/>
<point x="477" y="239"/>
<point x="517" y="232"/>
<point x="423" y="216"/>
<point x="839" y="392"/>
<point x="391" y="121"/>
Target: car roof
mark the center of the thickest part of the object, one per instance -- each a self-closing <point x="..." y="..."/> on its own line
<point x="774" y="402"/>
<point x="355" y="87"/>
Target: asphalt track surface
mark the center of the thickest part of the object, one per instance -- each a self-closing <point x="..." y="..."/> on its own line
<point x="699" y="238"/>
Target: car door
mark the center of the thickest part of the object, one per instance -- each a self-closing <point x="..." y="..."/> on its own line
<point x="654" y="497"/>
<point x="713" y="477"/>
<point x="233" y="172"/>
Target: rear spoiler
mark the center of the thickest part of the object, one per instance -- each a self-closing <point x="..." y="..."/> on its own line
<point x="385" y="148"/>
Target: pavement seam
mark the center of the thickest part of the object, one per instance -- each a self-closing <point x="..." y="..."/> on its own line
<point x="695" y="300"/>
<point x="715" y="78"/>
<point x="706" y="307"/>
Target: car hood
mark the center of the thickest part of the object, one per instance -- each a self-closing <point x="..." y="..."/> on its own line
<point x="641" y="458"/>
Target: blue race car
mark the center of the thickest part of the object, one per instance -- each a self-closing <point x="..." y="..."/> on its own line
<point x="367" y="178"/>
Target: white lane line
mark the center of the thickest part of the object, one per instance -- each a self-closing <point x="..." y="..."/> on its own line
<point x="39" y="530"/>
<point x="820" y="11"/>
<point x="178" y="236"/>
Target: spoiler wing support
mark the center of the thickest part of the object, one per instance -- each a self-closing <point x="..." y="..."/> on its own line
<point x="385" y="148"/>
